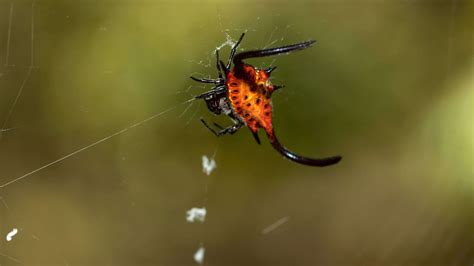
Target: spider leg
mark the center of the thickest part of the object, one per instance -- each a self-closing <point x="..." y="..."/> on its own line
<point x="271" y="51"/>
<point x="231" y="129"/>
<point x="228" y="130"/>
<point x="219" y="80"/>
<point x="208" y="127"/>
<point x="211" y="93"/>
<point x="218" y="126"/>
<point x="212" y="81"/>
<point x="219" y="71"/>
<point x="224" y="68"/>
<point x="234" y="50"/>
<point x="221" y="66"/>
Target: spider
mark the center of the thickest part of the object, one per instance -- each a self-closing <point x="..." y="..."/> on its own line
<point x="243" y="94"/>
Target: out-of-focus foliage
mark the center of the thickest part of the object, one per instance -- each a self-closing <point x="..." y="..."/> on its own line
<point x="389" y="86"/>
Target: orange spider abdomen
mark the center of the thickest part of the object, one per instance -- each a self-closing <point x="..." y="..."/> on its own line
<point x="249" y="92"/>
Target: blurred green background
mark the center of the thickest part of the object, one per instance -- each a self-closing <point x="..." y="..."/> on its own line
<point x="389" y="86"/>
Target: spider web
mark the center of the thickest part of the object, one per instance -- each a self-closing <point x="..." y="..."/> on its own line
<point x="8" y="66"/>
<point x="51" y="194"/>
<point x="15" y="64"/>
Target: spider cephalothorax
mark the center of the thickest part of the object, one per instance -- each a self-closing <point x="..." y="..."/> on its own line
<point x="243" y="93"/>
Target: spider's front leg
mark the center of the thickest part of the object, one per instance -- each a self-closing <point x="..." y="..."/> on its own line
<point x="233" y="51"/>
<point x="231" y="129"/>
<point x="228" y="130"/>
<point x="217" y="81"/>
<point x="211" y="81"/>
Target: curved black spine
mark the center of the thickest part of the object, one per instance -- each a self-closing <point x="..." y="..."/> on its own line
<point x="271" y="51"/>
<point x="301" y="159"/>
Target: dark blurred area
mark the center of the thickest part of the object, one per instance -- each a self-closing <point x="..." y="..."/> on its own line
<point x="389" y="86"/>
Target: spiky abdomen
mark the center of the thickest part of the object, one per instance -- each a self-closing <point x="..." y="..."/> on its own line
<point x="250" y="94"/>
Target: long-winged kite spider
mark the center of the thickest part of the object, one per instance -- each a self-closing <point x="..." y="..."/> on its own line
<point x="243" y="94"/>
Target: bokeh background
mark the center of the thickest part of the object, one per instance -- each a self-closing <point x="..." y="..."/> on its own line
<point x="389" y="86"/>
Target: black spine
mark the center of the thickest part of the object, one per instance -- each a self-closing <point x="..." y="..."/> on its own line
<point x="301" y="159"/>
<point x="271" y="51"/>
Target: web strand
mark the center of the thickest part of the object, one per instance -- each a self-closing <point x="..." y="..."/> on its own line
<point x="93" y="144"/>
<point x="9" y="34"/>
<point x="11" y="258"/>
<point x="30" y="68"/>
<point x="17" y="97"/>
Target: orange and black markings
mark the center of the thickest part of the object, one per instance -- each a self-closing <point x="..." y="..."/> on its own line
<point x="243" y="94"/>
<point x="250" y="98"/>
